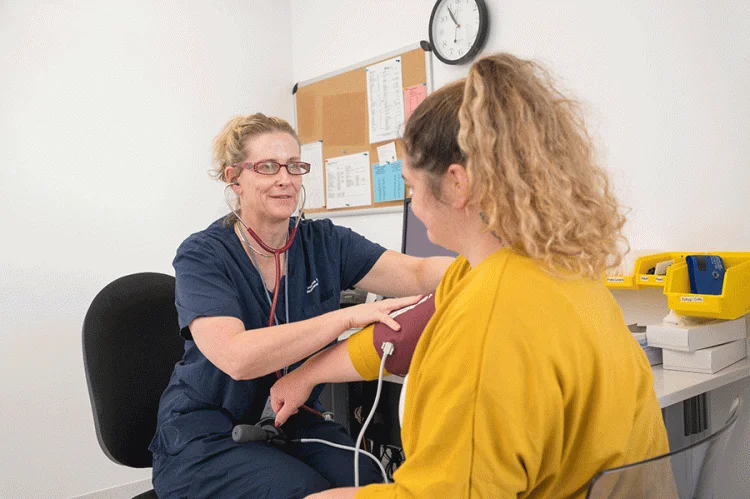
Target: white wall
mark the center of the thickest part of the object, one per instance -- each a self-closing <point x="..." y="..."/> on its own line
<point x="665" y="85"/>
<point x="107" y="112"/>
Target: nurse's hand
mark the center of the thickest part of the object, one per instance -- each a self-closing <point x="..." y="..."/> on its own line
<point x="289" y="393"/>
<point x="360" y="316"/>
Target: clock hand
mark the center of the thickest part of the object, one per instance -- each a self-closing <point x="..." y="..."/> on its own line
<point x="452" y="16"/>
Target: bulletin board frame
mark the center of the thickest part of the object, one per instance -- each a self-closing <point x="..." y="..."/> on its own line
<point x="333" y="108"/>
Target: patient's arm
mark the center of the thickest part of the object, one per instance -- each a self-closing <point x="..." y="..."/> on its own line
<point x="413" y="320"/>
<point x="356" y="359"/>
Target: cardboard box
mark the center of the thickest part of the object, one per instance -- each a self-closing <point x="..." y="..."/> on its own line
<point x="690" y="339"/>
<point x="707" y="360"/>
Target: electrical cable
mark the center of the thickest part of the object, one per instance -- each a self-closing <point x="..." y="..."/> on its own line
<point x="346" y="447"/>
<point x="387" y="348"/>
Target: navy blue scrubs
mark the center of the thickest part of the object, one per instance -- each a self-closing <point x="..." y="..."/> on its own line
<point x="194" y="454"/>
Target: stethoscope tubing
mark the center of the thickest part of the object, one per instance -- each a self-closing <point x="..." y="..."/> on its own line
<point x="276" y="252"/>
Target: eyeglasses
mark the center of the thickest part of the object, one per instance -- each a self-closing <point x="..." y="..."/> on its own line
<point x="268" y="167"/>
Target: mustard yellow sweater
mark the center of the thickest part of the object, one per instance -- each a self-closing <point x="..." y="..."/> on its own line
<point x="522" y="385"/>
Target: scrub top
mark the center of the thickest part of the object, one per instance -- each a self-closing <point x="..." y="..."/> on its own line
<point x="215" y="277"/>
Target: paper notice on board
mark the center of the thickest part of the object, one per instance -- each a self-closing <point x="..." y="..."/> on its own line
<point x="388" y="184"/>
<point x="387" y="153"/>
<point x="385" y="99"/>
<point x="413" y="96"/>
<point x="313" y="153"/>
<point x="348" y="181"/>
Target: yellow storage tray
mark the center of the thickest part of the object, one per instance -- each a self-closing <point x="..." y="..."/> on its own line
<point x="732" y="303"/>
<point x="644" y="263"/>
<point x="620" y="281"/>
<point x="640" y="277"/>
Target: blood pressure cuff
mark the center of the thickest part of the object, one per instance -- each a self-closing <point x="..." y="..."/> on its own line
<point x="365" y="350"/>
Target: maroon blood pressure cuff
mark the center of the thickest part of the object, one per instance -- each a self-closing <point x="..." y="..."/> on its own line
<point x="365" y="347"/>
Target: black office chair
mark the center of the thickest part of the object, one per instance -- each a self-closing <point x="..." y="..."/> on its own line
<point x="131" y="343"/>
<point x="654" y="478"/>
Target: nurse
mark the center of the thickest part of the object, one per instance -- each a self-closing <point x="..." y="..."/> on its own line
<point x="226" y="282"/>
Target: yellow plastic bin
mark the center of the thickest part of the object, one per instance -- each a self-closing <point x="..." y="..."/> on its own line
<point x="620" y="281"/>
<point x="644" y="263"/>
<point x="734" y="300"/>
<point x="640" y="277"/>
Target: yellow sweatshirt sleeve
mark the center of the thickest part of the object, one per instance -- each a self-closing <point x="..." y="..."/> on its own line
<point x="363" y="354"/>
<point x="360" y="345"/>
<point x="439" y="419"/>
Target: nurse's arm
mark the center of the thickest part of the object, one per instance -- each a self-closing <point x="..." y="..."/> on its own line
<point x="253" y="353"/>
<point x="396" y="274"/>
<point x="342" y="493"/>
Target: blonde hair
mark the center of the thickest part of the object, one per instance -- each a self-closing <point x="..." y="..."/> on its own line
<point x="229" y="145"/>
<point x="530" y="162"/>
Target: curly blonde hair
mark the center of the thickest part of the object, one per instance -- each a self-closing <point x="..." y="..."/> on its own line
<point x="530" y="162"/>
<point x="229" y="145"/>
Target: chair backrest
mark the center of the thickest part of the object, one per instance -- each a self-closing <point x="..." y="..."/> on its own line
<point x="131" y="343"/>
<point x="654" y="478"/>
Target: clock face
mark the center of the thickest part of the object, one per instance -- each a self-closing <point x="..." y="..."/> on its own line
<point x="458" y="29"/>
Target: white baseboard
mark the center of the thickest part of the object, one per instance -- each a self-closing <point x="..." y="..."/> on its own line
<point x="126" y="491"/>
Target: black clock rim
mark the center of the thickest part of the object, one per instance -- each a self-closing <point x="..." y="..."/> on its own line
<point x="478" y="43"/>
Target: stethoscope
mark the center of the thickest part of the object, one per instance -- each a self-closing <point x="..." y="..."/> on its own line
<point x="276" y="252"/>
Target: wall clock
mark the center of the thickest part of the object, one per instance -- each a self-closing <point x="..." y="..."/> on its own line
<point x="458" y="29"/>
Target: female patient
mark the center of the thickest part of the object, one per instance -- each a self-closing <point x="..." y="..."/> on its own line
<point x="526" y="381"/>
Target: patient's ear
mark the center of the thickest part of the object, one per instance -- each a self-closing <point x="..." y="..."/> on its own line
<point x="455" y="186"/>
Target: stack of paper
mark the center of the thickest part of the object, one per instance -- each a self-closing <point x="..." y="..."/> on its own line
<point x="705" y="348"/>
<point x="653" y="354"/>
<point x="706" y="360"/>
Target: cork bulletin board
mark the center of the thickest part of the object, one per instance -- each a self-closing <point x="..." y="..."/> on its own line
<point x="334" y="109"/>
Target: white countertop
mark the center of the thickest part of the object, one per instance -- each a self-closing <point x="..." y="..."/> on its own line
<point x="675" y="386"/>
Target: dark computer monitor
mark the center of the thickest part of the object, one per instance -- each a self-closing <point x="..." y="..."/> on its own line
<point x="414" y="240"/>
